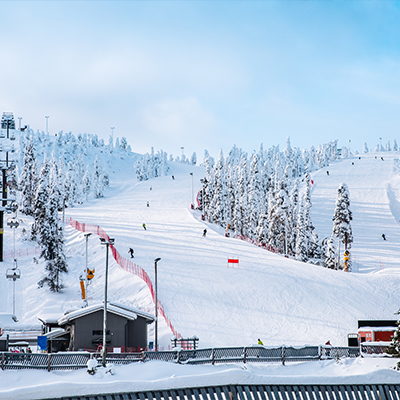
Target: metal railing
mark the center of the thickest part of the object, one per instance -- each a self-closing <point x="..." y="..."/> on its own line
<point x="283" y="354"/>
<point x="259" y="392"/>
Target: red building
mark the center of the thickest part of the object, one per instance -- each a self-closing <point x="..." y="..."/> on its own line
<point x="376" y="330"/>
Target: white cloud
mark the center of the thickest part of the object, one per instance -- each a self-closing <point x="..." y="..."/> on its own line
<point x="177" y="117"/>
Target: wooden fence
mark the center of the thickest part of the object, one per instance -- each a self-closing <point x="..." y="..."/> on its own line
<point x="283" y="354"/>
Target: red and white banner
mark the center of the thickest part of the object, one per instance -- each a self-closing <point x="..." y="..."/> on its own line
<point x="233" y="262"/>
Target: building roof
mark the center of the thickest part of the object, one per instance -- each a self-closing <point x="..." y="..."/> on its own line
<point x="118" y="309"/>
<point x="377" y="329"/>
<point x="375" y="323"/>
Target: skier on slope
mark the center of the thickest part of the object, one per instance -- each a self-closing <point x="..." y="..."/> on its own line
<point x="130" y="251"/>
<point x="383" y="236"/>
<point x="144" y="227"/>
<point x="260" y="342"/>
<point x="204" y="232"/>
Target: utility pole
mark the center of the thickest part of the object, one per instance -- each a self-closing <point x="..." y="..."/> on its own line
<point x="86" y="270"/>
<point x="191" y="174"/>
<point x="107" y="243"/>
<point x="156" y="301"/>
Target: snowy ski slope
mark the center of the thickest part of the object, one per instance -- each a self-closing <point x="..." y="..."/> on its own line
<point x="279" y="300"/>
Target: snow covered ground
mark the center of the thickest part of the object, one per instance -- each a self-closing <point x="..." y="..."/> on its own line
<point x="24" y="385"/>
<point x="279" y="300"/>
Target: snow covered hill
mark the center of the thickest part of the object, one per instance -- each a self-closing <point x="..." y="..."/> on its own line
<point x="281" y="301"/>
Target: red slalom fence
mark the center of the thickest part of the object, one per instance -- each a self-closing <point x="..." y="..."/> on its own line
<point x="126" y="265"/>
<point x="29" y="251"/>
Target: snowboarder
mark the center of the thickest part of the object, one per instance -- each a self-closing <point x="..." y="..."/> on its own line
<point x="260" y="342"/>
<point x="144" y="227"/>
<point x="130" y="251"/>
<point x="383" y="236"/>
<point x="327" y="172"/>
<point x="328" y="343"/>
<point x="148" y="205"/>
<point x="204" y="232"/>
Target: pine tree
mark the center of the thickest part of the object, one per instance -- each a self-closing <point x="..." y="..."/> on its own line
<point x="308" y="225"/>
<point x="395" y="147"/>
<point x="279" y="233"/>
<point x="240" y="215"/>
<point x="218" y="203"/>
<point x="98" y="179"/>
<point x="254" y="198"/>
<point x="28" y="179"/>
<point x="86" y="184"/>
<point x="263" y="224"/>
<point x="331" y="255"/>
<point x="52" y="243"/>
<point x="342" y="217"/>
<point x="301" y="248"/>
<point x="40" y="202"/>
<point x="394" y="347"/>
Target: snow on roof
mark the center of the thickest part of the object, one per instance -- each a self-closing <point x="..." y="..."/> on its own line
<point x="7" y="320"/>
<point x="55" y="333"/>
<point x="377" y="328"/>
<point x="10" y="323"/>
<point x="118" y="309"/>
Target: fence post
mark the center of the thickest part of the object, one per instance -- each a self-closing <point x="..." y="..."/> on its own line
<point x="283" y="355"/>
<point x="143" y="356"/>
<point x="49" y="363"/>
<point x="244" y="354"/>
<point x="213" y="357"/>
<point x="2" y="360"/>
<point x="319" y="351"/>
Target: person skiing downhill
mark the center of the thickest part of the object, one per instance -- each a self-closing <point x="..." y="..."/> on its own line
<point x="260" y="342"/>
<point x="130" y="251"/>
<point x="144" y="227"/>
<point x="383" y="236"/>
<point x="204" y="232"/>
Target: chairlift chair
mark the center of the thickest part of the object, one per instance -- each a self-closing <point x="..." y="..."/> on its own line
<point x="13" y="273"/>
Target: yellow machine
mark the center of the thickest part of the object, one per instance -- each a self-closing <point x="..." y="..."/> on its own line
<point x="346" y="258"/>
<point x="90" y="273"/>
<point x="82" y="283"/>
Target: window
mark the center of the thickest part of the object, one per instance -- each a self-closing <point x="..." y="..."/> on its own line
<point x="100" y="332"/>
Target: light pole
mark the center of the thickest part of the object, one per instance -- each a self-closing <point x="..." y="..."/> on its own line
<point x="86" y="270"/>
<point x="47" y="123"/>
<point x="182" y="149"/>
<point x="156" y="301"/>
<point x="107" y="243"/>
<point x="380" y="144"/>
<point x="191" y="174"/>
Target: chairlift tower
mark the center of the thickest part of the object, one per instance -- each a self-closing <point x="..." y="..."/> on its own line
<point x="13" y="273"/>
<point x="7" y="134"/>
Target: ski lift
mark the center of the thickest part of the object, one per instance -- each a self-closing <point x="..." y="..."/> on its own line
<point x="13" y="273"/>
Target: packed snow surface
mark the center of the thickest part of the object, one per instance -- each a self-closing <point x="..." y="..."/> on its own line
<point x="280" y="300"/>
<point x="159" y="375"/>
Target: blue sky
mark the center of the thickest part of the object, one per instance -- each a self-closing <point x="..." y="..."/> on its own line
<point x="205" y="74"/>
